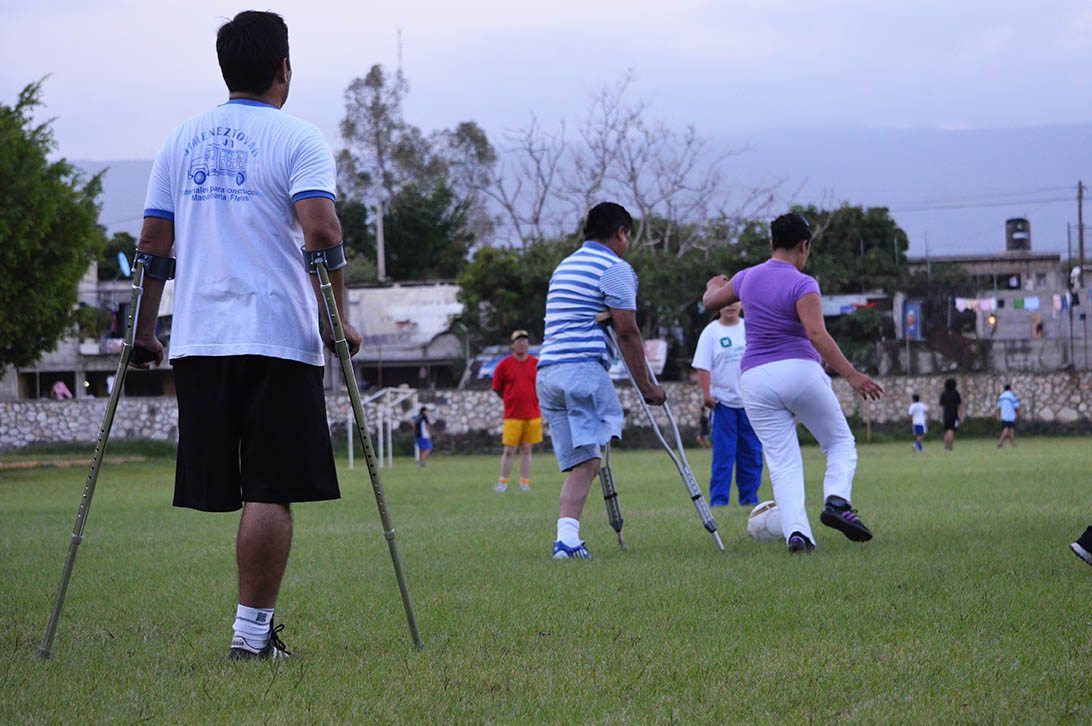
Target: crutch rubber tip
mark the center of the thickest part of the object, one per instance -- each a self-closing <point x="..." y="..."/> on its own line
<point x="43" y="653"/>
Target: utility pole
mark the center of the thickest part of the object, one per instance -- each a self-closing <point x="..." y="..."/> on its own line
<point x="928" y="264"/>
<point x="1080" y="269"/>
<point x="380" y="250"/>
<point x="1080" y="230"/>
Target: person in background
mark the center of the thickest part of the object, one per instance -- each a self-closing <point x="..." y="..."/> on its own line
<point x="721" y="346"/>
<point x="1007" y="405"/>
<point x="514" y="382"/>
<point x="951" y="404"/>
<point x="917" y="413"/>
<point x="60" y="391"/>
<point x="703" y="429"/>
<point x="422" y="433"/>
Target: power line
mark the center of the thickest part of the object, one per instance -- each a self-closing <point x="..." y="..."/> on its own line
<point x="939" y="207"/>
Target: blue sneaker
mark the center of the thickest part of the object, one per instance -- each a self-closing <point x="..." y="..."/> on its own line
<point x="564" y="552"/>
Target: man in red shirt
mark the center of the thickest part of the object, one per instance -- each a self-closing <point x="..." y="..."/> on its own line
<point x="514" y="382"/>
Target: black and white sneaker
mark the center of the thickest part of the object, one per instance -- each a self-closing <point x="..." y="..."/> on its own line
<point x="1083" y="546"/>
<point x="275" y="648"/>
<point x="798" y="544"/>
<point x="838" y="514"/>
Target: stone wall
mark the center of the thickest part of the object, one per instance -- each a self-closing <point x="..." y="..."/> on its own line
<point x="1062" y="398"/>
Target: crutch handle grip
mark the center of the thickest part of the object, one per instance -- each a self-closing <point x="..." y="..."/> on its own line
<point x="603" y="317"/>
<point x="140" y="355"/>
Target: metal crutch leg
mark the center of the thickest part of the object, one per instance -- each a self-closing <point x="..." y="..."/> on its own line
<point x="366" y="443"/>
<point x="610" y="496"/>
<point x="679" y="456"/>
<point x="96" y="459"/>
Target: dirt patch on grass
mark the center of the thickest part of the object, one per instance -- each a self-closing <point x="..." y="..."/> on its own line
<point x="64" y="463"/>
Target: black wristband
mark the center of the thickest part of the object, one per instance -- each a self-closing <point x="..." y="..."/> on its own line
<point x="332" y="257"/>
<point x="156" y="267"/>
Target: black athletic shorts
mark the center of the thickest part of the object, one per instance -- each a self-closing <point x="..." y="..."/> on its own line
<point x="251" y="429"/>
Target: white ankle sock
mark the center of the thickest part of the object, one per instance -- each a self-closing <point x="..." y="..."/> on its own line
<point x="568" y="531"/>
<point x="253" y="624"/>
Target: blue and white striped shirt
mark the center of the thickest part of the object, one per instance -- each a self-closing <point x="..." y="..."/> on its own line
<point x="586" y="282"/>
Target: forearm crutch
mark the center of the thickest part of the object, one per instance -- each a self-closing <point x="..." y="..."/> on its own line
<point x="342" y="346"/>
<point x="677" y="454"/>
<point x="96" y="459"/>
<point x="610" y="496"/>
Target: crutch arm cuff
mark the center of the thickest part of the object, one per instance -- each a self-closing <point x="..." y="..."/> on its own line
<point x="156" y="267"/>
<point x="332" y="257"/>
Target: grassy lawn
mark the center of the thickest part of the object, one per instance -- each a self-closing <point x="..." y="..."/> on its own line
<point x="967" y="607"/>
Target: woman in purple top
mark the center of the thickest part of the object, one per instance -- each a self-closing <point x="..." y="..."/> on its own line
<point x="782" y="380"/>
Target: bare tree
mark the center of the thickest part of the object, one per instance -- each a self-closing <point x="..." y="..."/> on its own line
<point x="527" y="183"/>
<point x="674" y="181"/>
<point x="373" y="128"/>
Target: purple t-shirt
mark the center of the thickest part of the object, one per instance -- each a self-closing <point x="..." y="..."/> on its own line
<point x="774" y="332"/>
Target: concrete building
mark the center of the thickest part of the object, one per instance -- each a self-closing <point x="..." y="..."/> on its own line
<point x="406" y="329"/>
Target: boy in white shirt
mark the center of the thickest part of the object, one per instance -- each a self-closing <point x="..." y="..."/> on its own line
<point x="735" y="444"/>
<point x="917" y="412"/>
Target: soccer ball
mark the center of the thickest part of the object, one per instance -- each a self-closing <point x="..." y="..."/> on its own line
<point x="764" y="522"/>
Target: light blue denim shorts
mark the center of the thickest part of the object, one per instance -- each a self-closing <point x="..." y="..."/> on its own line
<point x="581" y="407"/>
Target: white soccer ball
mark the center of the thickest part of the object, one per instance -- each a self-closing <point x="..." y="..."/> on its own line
<point x="764" y="522"/>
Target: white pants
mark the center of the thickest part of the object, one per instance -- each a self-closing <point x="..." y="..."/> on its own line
<point x="777" y="393"/>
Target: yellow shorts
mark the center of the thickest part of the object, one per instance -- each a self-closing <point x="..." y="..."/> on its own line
<point x="522" y="431"/>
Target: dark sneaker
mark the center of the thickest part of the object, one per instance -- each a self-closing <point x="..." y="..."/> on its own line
<point x="799" y="543"/>
<point x="564" y="552"/>
<point x="1083" y="546"/>
<point x="838" y="514"/>
<point x="242" y="650"/>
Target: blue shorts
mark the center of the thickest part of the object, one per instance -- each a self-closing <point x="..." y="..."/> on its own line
<point x="919" y="429"/>
<point x="579" y="403"/>
<point x="424" y="444"/>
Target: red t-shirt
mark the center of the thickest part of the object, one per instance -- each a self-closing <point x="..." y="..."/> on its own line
<point x="516" y="383"/>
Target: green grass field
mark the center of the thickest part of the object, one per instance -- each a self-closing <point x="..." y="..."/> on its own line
<point x="967" y="607"/>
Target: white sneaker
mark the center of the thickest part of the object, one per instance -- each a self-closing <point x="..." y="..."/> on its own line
<point x="524" y="486"/>
<point x="242" y="650"/>
<point x="500" y="487"/>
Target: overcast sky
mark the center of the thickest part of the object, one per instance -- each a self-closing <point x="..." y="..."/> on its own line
<point x="124" y="72"/>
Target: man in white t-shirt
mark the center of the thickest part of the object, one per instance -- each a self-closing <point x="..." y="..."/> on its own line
<point x="917" y="413"/>
<point x="735" y="445"/>
<point x="236" y="191"/>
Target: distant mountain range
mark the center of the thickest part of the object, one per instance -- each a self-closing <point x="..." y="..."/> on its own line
<point x="950" y="190"/>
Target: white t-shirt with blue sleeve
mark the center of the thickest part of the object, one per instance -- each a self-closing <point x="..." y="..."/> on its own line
<point x="228" y="179"/>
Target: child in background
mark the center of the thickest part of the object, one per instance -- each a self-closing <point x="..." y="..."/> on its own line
<point x="703" y="430"/>
<point x="917" y="412"/>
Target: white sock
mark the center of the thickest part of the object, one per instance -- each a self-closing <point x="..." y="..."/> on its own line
<point x="568" y="531"/>
<point x="253" y="625"/>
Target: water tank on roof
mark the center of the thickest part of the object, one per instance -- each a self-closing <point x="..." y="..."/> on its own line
<point x="1017" y="235"/>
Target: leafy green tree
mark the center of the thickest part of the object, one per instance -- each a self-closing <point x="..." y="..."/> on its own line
<point x="503" y="289"/>
<point x="108" y="261"/>
<point x="48" y="234"/>
<point x="412" y="173"/>
<point x="359" y="242"/>
<point x="427" y="234"/>
<point x="855" y="249"/>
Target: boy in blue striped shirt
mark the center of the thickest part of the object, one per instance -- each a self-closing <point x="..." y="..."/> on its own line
<point x="575" y="393"/>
